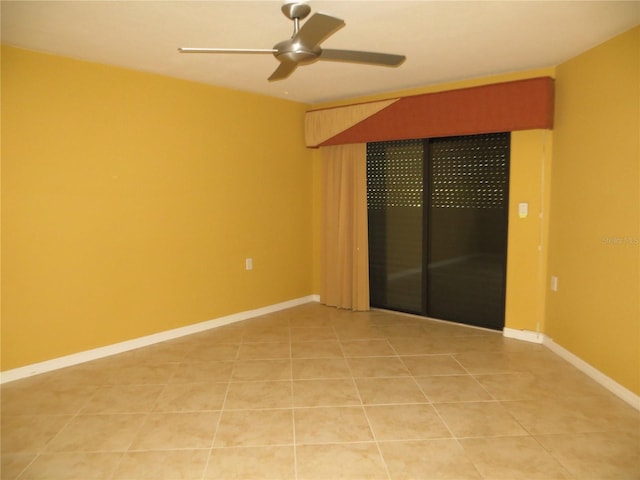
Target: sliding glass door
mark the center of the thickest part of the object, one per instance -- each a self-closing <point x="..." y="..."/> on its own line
<point x="395" y="179"/>
<point x="438" y="227"/>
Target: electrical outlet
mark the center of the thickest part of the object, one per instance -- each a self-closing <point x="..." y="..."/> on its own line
<point x="554" y="283"/>
<point x="248" y="263"/>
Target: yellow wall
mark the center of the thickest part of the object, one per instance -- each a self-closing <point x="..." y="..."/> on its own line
<point x="594" y="244"/>
<point x="529" y="179"/>
<point x="317" y="218"/>
<point x="130" y="201"/>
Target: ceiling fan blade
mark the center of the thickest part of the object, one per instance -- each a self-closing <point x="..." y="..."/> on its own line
<point x="318" y="28"/>
<point x="283" y="71"/>
<point x="374" y="58"/>
<point x="226" y="50"/>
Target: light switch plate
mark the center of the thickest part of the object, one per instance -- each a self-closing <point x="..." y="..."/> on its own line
<point x="523" y="210"/>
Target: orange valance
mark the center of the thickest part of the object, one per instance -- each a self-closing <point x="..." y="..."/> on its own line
<point x="500" y="107"/>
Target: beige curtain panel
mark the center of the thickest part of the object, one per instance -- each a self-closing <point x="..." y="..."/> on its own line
<point x="345" y="252"/>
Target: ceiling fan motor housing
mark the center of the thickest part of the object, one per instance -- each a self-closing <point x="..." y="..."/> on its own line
<point x="295" y="52"/>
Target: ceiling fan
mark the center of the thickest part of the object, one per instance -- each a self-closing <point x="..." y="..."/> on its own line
<point x="304" y="45"/>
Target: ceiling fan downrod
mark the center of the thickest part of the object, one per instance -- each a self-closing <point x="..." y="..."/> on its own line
<point x="296" y="12"/>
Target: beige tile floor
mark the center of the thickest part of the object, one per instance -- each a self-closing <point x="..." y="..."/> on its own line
<point x="318" y="393"/>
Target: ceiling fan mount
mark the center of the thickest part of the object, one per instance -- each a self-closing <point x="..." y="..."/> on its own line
<point x="304" y="45"/>
<point x="293" y="10"/>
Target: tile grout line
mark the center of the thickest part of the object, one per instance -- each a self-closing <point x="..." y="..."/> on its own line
<point x="453" y="436"/>
<point x="413" y="377"/>
<point x="550" y="452"/>
<point x="222" y="408"/>
<point x="293" y="412"/>
<point x="142" y="424"/>
<point x="366" y="416"/>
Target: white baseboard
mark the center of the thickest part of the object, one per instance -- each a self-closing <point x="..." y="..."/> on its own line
<point x="592" y="372"/>
<point x="108" y="350"/>
<point x="526" y="335"/>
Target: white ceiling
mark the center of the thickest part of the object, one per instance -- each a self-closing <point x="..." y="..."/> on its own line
<point x="443" y="40"/>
